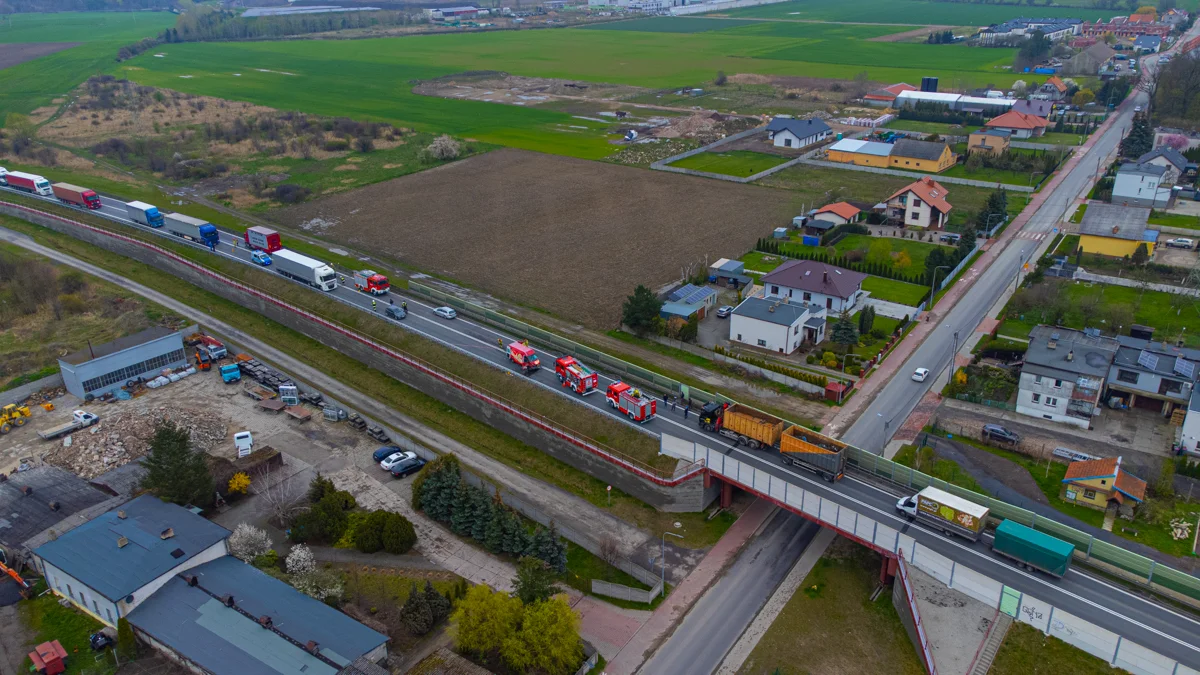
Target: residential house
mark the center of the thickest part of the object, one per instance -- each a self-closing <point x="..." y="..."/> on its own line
<point x="989" y="141"/>
<point x="687" y="301"/>
<point x="1053" y="90"/>
<point x="225" y="617"/>
<point x="1147" y="44"/>
<point x="1052" y="29"/>
<point x="927" y="156"/>
<point x="1174" y="16"/>
<point x="1101" y="483"/>
<point x="114" y="562"/>
<point x="860" y="153"/>
<point x="1170" y="159"/>
<point x="920" y="204"/>
<point x="1142" y="185"/>
<point x="839" y="213"/>
<point x="884" y="98"/>
<point x="787" y="132"/>
<point x="728" y="272"/>
<point x="1127" y="27"/>
<point x="1019" y="124"/>
<point x="777" y="325"/>
<point x="812" y="282"/>
<point x="1089" y="61"/>
<point x="1114" y="230"/>
<point x="1153" y="375"/>
<point x="1064" y="373"/>
<point x="1033" y="106"/>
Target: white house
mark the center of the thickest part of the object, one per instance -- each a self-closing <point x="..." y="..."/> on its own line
<point x="776" y="324"/>
<point x="1170" y="159"/>
<point x="1141" y="185"/>
<point x="809" y="282"/>
<point x="1190" y="433"/>
<point x="786" y="132"/>
<point x="112" y="563"/>
<point x="1064" y="374"/>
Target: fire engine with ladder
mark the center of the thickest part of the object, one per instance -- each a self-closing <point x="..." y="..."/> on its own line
<point x="575" y="376"/>
<point x="631" y="402"/>
<point x="524" y="356"/>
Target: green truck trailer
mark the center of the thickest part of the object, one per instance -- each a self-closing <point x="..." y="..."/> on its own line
<point x="1032" y="549"/>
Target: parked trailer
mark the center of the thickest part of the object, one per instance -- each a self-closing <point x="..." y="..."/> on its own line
<point x="302" y="268"/>
<point x="943" y="511"/>
<point x="197" y="230"/>
<point x="76" y="196"/>
<point x="1033" y="550"/>
<point x="146" y="214"/>
<point x="28" y="182"/>
<point x="370" y="281"/>
<point x="79" y="420"/>
<point x="809" y="450"/>
<point x="262" y="238"/>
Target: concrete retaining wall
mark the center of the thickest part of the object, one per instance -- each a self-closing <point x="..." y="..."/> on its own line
<point x="625" y="592"/>
<point x="18" y="394"/>
<point x="684" y="496"/>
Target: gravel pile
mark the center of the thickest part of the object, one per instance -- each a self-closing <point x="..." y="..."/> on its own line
<point x="121" y="438"/>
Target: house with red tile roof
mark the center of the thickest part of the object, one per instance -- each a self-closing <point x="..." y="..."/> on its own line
<point x="922" y="204"/>
<point x="1021" y="125"/>
<point x="1100" y="483"/>
<point x="884" y="98"/>
<point x="839" y="213"/>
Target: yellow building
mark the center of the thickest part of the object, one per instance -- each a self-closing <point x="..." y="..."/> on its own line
<point x="1097" y="483"/>
<point x="989" y="141"/>
<point x="1115" y="231"/>
<point x="921" y="156"/>
<point x="860" y="153"/>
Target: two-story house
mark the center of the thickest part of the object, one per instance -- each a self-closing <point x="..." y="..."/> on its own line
<point x="1064" y="374"/>
<point x="922" y="204"/>
<point x="1170" y="159"/>
<point x="815" y="283"/>
<point x="1153" y="375"/>
<point x="776" y="324"/>
<point x="1141" y="185"/>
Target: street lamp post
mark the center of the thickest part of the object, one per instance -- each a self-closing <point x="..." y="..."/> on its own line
<point x="664" y="560"/>
<point x="933" y="281"/>
<point x="953" y="352"/>
<point x="988" y="224"/>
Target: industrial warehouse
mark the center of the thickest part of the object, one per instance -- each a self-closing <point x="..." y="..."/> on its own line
<point x="95" y="371"/>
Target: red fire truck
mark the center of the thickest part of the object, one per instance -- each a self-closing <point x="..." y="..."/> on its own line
<point x="369" y="281"/>
<point x="576" y="376"/>
<point x="630" y="401"/>
<point x="524" y="356"/>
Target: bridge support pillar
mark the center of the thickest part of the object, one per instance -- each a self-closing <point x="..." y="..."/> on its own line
<point x="726" y="494"/>
<point x="887" y="571"/>
<point x="708" y="480"/>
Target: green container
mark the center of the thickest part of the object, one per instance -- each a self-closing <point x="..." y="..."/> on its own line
<point x="1032" y="548"/>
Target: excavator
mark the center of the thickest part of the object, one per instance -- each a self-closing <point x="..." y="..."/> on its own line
<point x="13" y="415"/>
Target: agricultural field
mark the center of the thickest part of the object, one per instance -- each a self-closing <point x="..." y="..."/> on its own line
<point x="905" y="11"/>
<point x="740" y="163"/>
<point x="565" y="235"/>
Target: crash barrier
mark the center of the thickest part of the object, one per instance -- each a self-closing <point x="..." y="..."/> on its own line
<point x="861" y="528"/>
<point x="917" y="629"/>
<point x="660" y="477"/>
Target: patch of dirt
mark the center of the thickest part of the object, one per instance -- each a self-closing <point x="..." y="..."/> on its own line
<point x="392" y="166"/>
<point x="345" y="167"/>
<point x="19" y="52"/>
<point x="1010" y="473"/>
<point x="501" y="87"/>
<point x="568" y="235"/>
<point x="242" y="199"/>
<point x="910" y="34"/>
<point x="39" y="115"/>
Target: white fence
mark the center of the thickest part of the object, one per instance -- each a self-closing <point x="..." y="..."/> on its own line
<point x="1074" y="630"/>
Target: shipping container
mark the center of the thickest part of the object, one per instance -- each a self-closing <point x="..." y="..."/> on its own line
<point x="1032" y="549"/>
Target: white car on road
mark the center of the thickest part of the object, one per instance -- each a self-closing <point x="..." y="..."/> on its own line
<point x="920" y="374"/>
<point x="1181" y="242"/>
<point x="446" y="312"/>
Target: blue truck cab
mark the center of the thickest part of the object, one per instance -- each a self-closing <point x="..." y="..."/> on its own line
<point x="209" y="234"/>
<point x="230" y="373"/>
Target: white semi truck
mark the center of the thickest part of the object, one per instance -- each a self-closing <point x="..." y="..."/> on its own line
<point x="303" y="268"/>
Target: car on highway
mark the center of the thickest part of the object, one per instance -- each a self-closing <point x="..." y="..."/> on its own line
<point x="724" y="311"/>
<point x="996" y="432"/>
<point x="1137" y="108"/>
<point x="260" y="258"/>
<point x="395" y="312"/>
<point x="920" y="374"/>
<point x="406" y="466"/>
<point x="445" y="312"/>
<point x="1181" y="242"/>
<point x="384" y="452"/>
<point x="396" y="458"/>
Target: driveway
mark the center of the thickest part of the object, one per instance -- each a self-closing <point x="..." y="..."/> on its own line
<point x="1175" y="257"/>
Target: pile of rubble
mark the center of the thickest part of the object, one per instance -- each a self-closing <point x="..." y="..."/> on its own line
<point x="44" y="396"/>
<point x="121" y="438"/>
<point x="1181" y="529"/>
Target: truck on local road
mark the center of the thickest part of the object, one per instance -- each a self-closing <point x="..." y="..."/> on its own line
<point x="230" y="373"/>
<point x="631" y="402"/>
<point x="79" y="420"/>
<point x="28" y="182"/>
<point x="146" y="214"/>
<point x="303" y="268"/>
<point x="576" y="376"/>
<point x="1031" y="549"/>
<point x="943" y="511"/>
<point x="187" y="227"/>
<point x="370" y="281"/>
<point x="262" y="238"/>
<point x="524" y="356"/>
<point x="76" y="196"/>
<point x="3" y="176"/>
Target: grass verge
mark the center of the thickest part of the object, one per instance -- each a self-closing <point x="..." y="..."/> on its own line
<point x="48" y="620"/>
<point x="740" y="163"/>
<point x="926" y="461"/>
<point x="1028" y="651"/>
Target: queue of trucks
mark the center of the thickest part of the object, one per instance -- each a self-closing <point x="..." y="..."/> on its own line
<point x="798" y="445"/>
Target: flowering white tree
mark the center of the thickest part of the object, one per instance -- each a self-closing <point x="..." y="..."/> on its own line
<point x="443" y="147"/>
<point x="248" y="542"/>
<point x="1019" y="87"/>
<point x="1071" y="84"/>
<point x="310" y="579"/>
<point x="300" y="561"/>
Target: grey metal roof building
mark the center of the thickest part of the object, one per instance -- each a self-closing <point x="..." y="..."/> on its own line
<point x="94" y="554"/>
<point x="229" y="618"/>
<point x="103" y="368"/>
<point x="775" y="311"/>
<point x="1116" y="221"/>
<point x="1142" y="169"/>
<point x="39" y="500"/>
<point x="802" y="128"/>
<point x="1065" y="353"/>
<point x="908" y="147"/>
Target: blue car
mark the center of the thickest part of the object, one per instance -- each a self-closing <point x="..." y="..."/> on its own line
<point x="385" y="452"/>
<point x="261" y="258"/>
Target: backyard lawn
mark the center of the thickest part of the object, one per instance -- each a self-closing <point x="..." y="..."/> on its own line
<point x="944" y="129"/>
<point x="1174" y="220"/>
<point x="894" y="291"/>
<point x="917" y="251"/>
<point x="1004" y="176"/>
<point x="740" y="163"/>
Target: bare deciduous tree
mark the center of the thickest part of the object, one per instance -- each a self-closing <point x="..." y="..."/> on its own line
<point x="281" y="500"/>
<point x="610" y="550"/>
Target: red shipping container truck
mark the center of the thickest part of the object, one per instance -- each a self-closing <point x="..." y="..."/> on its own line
<point x="76" y="196"/>
<point x="28" y="182"/>
<point x="263" y="238"/>
<point x="631" y="402"/>
<point x="369" y="281"/>
<point x="576" y="376"/>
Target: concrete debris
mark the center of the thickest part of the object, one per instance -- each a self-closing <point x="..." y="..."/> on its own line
<point x="123" y="437"/>
<point x="1181" y="529"/>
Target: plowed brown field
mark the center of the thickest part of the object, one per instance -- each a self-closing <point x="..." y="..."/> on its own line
<point x="15" y="53"/>
<point x="571" y="236"/>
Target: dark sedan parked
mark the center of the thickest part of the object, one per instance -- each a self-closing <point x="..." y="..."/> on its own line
<point x="407" y="466"/>
<point x="385" y="452"/>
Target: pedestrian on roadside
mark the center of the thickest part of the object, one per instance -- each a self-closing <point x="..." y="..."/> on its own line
<point x="404" y="305"/>
<point x="685" y="412"/>
<point x="372" y="304"/>
<point x="392" y="301"/>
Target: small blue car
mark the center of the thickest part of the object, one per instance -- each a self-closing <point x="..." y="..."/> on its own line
<point x="261" y="258"/>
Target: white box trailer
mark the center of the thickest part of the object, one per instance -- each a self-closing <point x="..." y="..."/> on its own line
<point x="303" y="268"/>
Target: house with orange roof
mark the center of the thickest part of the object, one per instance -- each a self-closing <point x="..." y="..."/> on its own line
<point x="839" y="213"/>
<point x="1100" y="483"/>
<point x="883" y="98"/>
<point x="1020" y="125"/>
<point x="1053" y="90"/>
<point x="922" y="204"/>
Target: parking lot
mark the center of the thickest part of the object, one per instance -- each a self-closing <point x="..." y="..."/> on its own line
<point x="1175" y="257"/>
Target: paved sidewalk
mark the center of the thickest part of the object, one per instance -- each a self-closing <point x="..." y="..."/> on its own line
<point x="671" y="611"/>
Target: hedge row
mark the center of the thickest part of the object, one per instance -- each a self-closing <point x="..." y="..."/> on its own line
<point x="819" y="380"/>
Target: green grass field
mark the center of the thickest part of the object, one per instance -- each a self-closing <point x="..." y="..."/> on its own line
<point x="917" y="250"/>
<point x="740" y="163"/>
<point x="908" y="11"/>
<point x="894" y="291"/>
<point x="83" y="26"/>
<point x="675" y="24"/>
<point x="1174" y="220"/>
